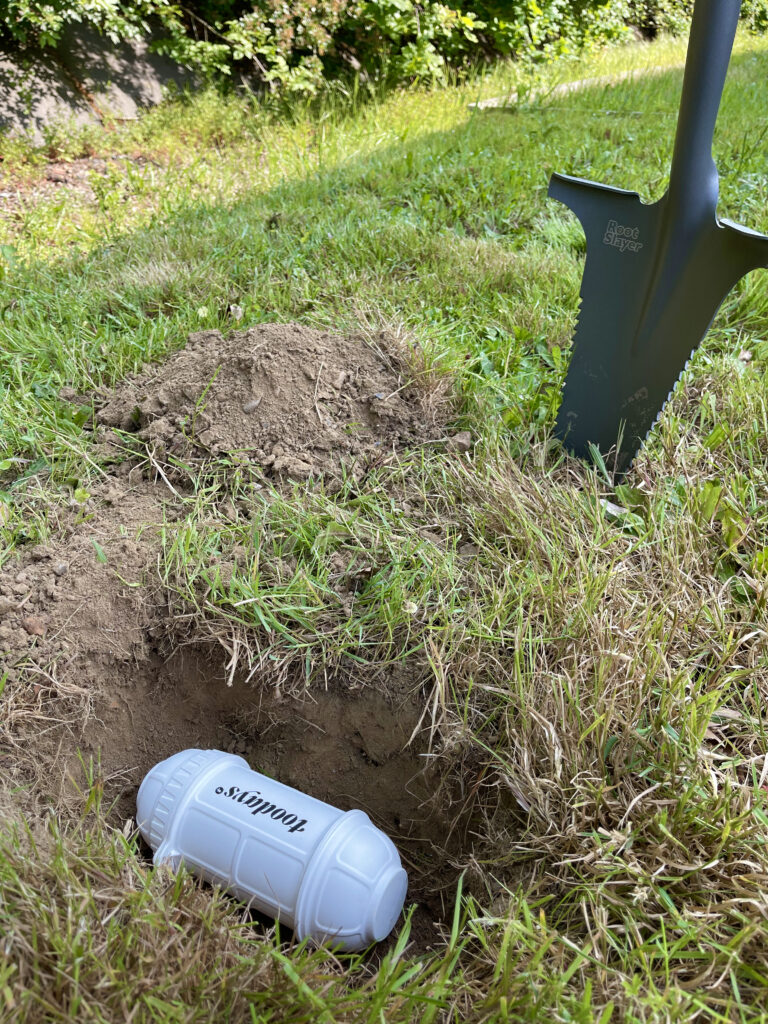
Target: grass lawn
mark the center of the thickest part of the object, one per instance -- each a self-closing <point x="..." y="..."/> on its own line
<point x="592" y="659"/>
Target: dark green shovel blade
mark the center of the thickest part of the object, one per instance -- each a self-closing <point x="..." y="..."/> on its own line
<point x="655" y="275"/>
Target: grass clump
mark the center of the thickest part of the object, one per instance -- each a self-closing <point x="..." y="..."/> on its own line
<point x="81" y="917"/>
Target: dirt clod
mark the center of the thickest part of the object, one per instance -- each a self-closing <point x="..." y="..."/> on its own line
<point x="461" y="442"/>
<point x="34" y="625"/>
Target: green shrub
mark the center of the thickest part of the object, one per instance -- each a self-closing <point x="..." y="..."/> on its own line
<point x="755" y="12"/>
<point x="297" y="45"/>
<point x="654" y="16"/>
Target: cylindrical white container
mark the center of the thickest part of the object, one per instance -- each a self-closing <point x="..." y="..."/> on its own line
<point x="329" y="875"/>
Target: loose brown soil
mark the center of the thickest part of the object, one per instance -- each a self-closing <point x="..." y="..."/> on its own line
<point x="296" y="402"/>
<point x="96" y="668"/>
<point x="67" y="180"/>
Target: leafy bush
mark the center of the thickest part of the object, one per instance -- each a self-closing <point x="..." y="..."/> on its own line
<point x="298" y="44"/>
<point x="755" y="12"/>
<point x="653" y="16"/>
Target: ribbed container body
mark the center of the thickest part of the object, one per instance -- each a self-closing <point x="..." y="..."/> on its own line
<point x="329" y="875"/>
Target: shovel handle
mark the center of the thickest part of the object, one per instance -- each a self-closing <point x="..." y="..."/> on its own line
<point x="713" y="32"/>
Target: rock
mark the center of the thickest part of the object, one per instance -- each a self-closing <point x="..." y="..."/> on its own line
<point x="461" y="442"/>
<point x="61" y="568"/>
<point x="79" y="81"/>
<point x="34" y="625"/>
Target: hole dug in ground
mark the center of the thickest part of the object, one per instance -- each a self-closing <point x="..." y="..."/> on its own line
<point x="94" y="676"/>
<point x="347" y="746"/>
<point x="88" y="637"/>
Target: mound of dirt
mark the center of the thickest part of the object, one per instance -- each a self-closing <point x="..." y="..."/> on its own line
<point x="298" y="402"/>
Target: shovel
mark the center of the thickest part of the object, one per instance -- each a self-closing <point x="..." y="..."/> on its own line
<point x="657" y="274"/>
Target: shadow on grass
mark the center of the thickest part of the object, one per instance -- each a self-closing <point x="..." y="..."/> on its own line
<point x="449" y="236"/>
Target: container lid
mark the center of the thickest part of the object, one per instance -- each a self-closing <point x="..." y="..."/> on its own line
<point x="354" y="888"/>
<point x="165" y="786"/>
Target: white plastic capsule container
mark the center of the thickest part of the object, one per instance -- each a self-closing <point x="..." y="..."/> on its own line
<point x="329" y="875"/>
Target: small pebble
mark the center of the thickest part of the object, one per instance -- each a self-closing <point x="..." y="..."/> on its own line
<point x="34" y="625"/>
<point x="461" y="442"/>
<point x="252" y="406"/>
<point x="60" y="569"/>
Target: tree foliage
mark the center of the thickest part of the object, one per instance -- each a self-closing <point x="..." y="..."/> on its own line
<point x="296" y="45"/>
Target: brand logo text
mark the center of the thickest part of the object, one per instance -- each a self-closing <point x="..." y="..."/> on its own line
<point x="257" y="804"/>
<point x="622" y="237"/>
